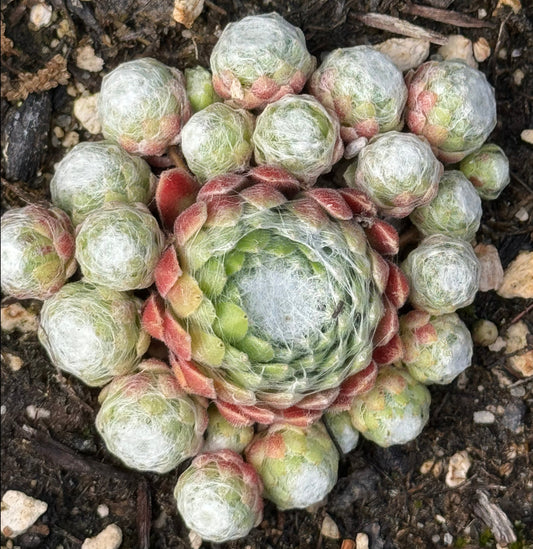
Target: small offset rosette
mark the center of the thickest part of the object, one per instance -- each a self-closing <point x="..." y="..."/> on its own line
<point x="394" y="411"/>
<point x="452" y="105"/>
<point x="364" y="88"/>
<point x="148" y="422"/>
<point x="437" y="348"/>
<point x="143" y="105"/>
<point x="298" y="466"/>
<point x="398" y="171"/>
<point x="455" y="211"/>
<point x="222" y="434"/>
<point x="299" y="135"/>
<point x="199" y="86"/>
<point x="93" y="332"/>
<point x="488" y="170"/>
<point x="341" y="429"/>
<point x="37" y="249"/>
<point x="219" y="496"/>
<point x="259" y="59"/>
<point x="92" y="174"/>
<point x="443" y="274"/>
<point x="275" y="304"/>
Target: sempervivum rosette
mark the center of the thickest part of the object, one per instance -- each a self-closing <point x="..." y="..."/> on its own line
<point x="364" y="88"/>
<point x="398" y="171"/>
<point x="452" y="105"/>
<point x="93" y="332"/>
<point x="92" y="174"/>
<point x="273" y="307"/>
<point x="298" y="134"/>
<point x="219" y="496"/>
<point x="143" y="105"/>
<point x="443" y="273"/>
<point x="394" y="411"/>
<point x="259" y="59"/>
<point x="148" y="422"/>
<point x="222" y="434"/>
<point x="298" y="466"/>
<point x="37" y="250"/>
<point x="437" y="348"/>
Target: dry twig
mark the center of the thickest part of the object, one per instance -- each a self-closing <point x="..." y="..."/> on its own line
<point x="144" y="514"/>
<point x="495" y="519"/>
<point x="447" y="16"/>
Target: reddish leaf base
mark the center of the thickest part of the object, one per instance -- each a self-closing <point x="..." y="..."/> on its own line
<point x="176" y="191"/>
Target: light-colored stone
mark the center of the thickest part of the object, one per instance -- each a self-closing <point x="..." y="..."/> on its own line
<point x="431" y="465"/>
<point x="484" y="332"/>
<point x="102" y="510"/>
<point x="516" y="336"/>
<point x="527" y="136"/>
<point x="516" y="339"/>
<point x="3" y="409"/>
<point x="86" y="111"/>
<point x="16" y="317"/>
<point x="329" y="528"/>
<point x="19" y="512"/>
<point x="406" y="53"/>
<point x="522" y="215"/>
<point x="498" y="345"/>
<point x="109" y="538"/>
<point x="361" y="541"/>
<point x="484" y="417"/>
<point x="186" y="11"/>
<point x="13" y="361"/>
<point x="195" y="540"/>
<point x="491" y="277"/>
<point x="458" y="468"/>
<point x="87" y="60"/>
<point x="33" y="412"/>
<point x="447" y="538"/>
<point x="71" y="139"/>
<point x="481" y="50"/>
<point x="515" y="5"/>
<point x="518" y="76"/>
<point x="458" y="47"/>
<point x="40" y="16"/>
<point x="518" y="278"/>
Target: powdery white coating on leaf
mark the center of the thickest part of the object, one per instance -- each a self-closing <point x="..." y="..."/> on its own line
<point x="488" y="170"/>
<point x="143" y="106"/>
<point x="453" y="106"/>
<point x="398" y="171"/>
<point x="455" y="211"/>
<point x="92" y="174"/>
<point x="394" y="411"/>
<point x="264" y="50"/>
<point x="93" y="332"/>
<point x="443" y="274"/>
<point x="298" y="466"/>
<point x="364" y="88"/>
<point x="219" y="497"/>
<point x="341" y="428"/>
<point x="218" y="140"/>
<point x="442" y="360"/>
<point x="298" y="134"/>
<point x="148" y="422"/>
<point x="119" y="245"/>
<point x="37" y="251"/>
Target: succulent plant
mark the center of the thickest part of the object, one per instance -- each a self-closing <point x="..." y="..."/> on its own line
<point x="299" y="135"/>
<point x="275" y="307"/>
<point x="199" y="86"/>
<point x="92" y="174"/>
<point x="452" y="105"/>
<point x="443" y="273"/>
<point x="143" y="105"/>
<point x="398" y="171"/>
<point x="364" y="88"/>
<point x="259" y="59"/>
<point x="218" y="140"/>
<point x="119" y="246"/>
<point x="437" y="348"/>
<point x="488" y="170"/>
<point x="455" y="211"/>
<point x="341" y="430"/>
<point x="148" y="422"/>
<point x="221" y="434"/>
<point x="298" y="466"/>
<point x="219" y="496"/>
<point x="394" y="411"/>
<point x="37" y="250"/>
<point x="93" y="332"/>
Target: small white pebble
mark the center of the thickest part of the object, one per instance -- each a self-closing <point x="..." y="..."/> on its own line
<point x="361" y="541"/>
<point x="109" y="538"/>
<point x="519" y="391"/>
<point x="195" y="540"/>
<point x="502" y="54"/>
<point x="481" y="13"/>
<point x="458" y="469"/>
<point x="71" y="139"/>
<point x="3" y="409"/>
<point x="102" y="510"/>
<point x="40" y="16"/>
<point x="435" y="539"/>
<point x="480" y="388"/>
<point x="59" y="132"/>
<point x="37" y="413"/>
<point x="440" y="519"/>
<point x="13" y="361"/>
<point x="522" y="215"/>
<point x="484" y="417"/>
<point x="19" y="512"/>
<point x="447" y="538"/>
<point x="329" y="528"/>
<point x="86" y="111"/>
<point x="516" y="53"/>
<point x="518" y="76"/>
<point x="498" y="345"/>
<point x="87" y="60"/>
<point x="527" y="136"/>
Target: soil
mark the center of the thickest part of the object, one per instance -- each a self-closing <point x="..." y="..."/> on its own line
<point x="57" y="456"/>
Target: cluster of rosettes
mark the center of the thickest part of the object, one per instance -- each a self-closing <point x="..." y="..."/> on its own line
<point x="276" y="298"/>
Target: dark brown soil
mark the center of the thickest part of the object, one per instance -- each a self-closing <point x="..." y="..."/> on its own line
<point x="60" y="459"/>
